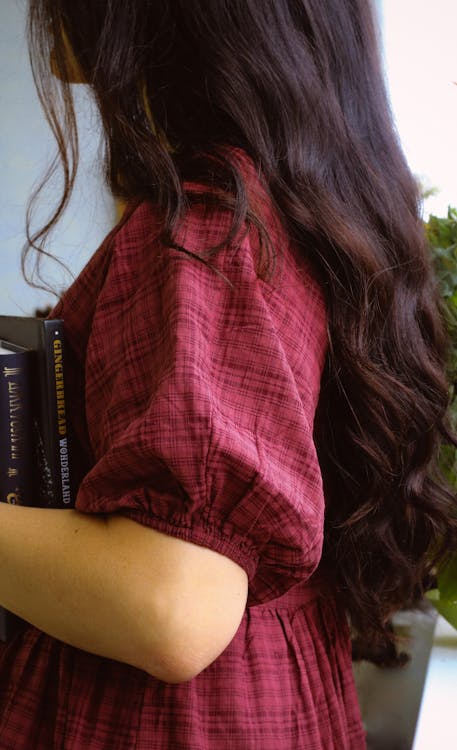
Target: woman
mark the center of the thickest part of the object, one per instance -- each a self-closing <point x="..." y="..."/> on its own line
<point x="261" y="331"/>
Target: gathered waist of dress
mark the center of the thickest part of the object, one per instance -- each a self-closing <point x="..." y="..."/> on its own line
<point x="301" y="594"/>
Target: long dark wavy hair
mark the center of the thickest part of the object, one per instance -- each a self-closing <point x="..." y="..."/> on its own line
<point x="298" y="86"/>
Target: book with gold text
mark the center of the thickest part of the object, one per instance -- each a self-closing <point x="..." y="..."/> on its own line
<point x="34" y="461"/>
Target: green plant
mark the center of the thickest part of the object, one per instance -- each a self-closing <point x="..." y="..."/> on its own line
<point x="442" y="236"/>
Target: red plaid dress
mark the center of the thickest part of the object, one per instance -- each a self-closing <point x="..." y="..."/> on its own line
<point x="192" y="405"/>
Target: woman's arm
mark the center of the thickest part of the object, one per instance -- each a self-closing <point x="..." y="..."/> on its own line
<point x="118" y="589"/>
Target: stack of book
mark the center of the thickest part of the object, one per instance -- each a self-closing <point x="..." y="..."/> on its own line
<point x="34" y="455"/>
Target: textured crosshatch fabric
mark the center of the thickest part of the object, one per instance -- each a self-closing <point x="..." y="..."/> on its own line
<point x="193" y="403"/>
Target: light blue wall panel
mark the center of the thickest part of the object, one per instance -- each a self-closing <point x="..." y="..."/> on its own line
<point x="25" y="147"/>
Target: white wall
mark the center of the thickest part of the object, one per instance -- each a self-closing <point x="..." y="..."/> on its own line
<point x="420" y="50"/>
<point x="25" y="147"/>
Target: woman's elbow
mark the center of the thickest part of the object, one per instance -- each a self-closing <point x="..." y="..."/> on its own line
<point x="178" y="664"/>
<point x="188" y="648"/>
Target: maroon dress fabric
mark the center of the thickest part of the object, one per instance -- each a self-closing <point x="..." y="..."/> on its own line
<point x="192" y="406"/>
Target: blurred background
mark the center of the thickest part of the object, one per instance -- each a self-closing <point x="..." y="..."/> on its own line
<point x="26" y="149"/>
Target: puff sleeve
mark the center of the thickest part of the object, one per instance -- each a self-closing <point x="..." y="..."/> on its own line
<point x="200" y="398"/>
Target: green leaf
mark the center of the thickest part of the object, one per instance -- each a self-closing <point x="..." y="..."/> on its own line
<point x="447" y="609"/>
<point x="447" y="581"/>
<point x="441" y="233"/>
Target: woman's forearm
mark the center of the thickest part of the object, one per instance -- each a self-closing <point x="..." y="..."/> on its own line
<point x="72" y="576"/>
<point x="118" y="589"/>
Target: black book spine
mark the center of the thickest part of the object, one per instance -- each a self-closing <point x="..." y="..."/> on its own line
<point x="16" y="476"/>
<point x="55" y="363"/>
<point x="45" y="339"/>
<point x="15" y="429"/>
